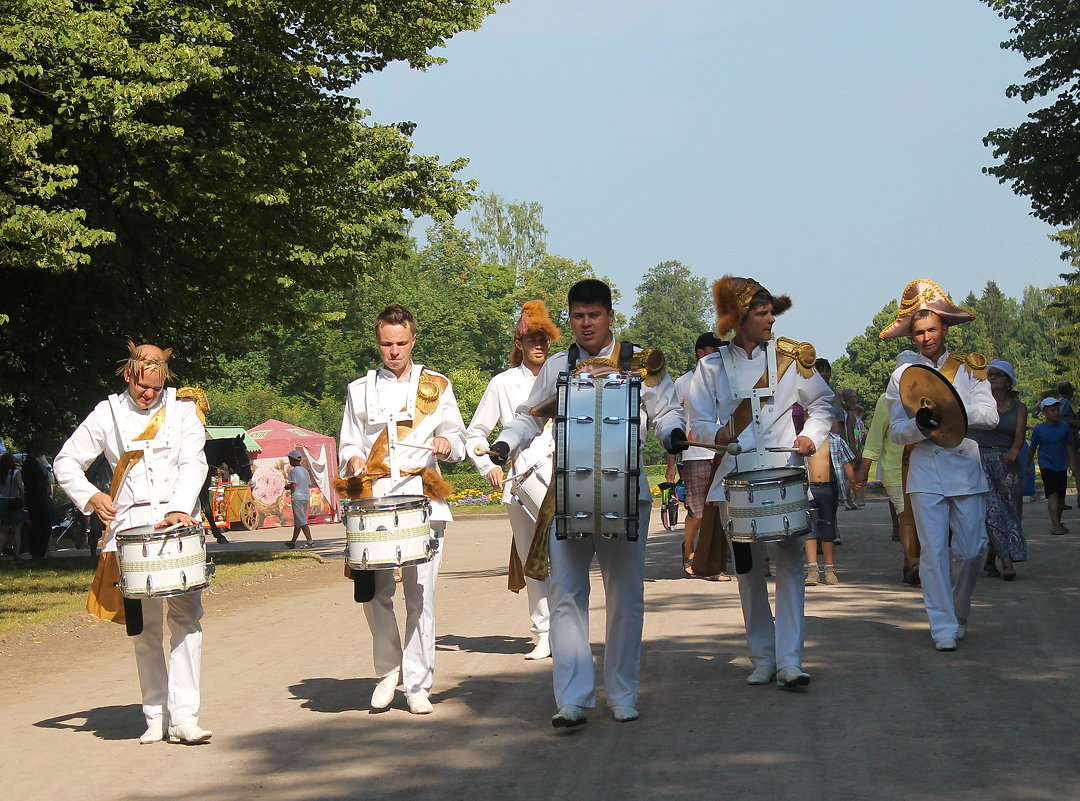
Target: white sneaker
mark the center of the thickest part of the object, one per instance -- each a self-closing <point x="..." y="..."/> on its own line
<point x="945" y="644"/>
<point x="542" y="649"/>
<point x="623" y="713"/>
<point x="792" y="677"/>
<point x="383" y="695"/>
<point x="419" y="703"/>
<point x="569" y="715"/>
<point x="763" y="674"/>
<point x="155" y="732"/>
<point x="961" y="628"/>
<point x="189" y="734"/>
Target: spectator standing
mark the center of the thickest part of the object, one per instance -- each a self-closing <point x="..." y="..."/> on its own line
<point x="855" y="436"/>
<point x="11" y="504"/>
<point x="1052" y="440"/>
<point x="842" y="462"/>
<point x="299" y="489"/>
<point x="1068" y="415"/>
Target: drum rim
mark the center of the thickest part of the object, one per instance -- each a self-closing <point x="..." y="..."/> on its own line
<point x="151" y="533"/>
<point x="797" y="473"/>
<point x="400" y="502"/>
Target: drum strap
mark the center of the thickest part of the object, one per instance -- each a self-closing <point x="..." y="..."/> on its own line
<point x="743" y="414"/>
<point x="131" y="458"/>
<point x="625" y="351"/>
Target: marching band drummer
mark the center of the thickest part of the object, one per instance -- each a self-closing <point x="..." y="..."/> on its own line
<point x="722" y="411"/>
<point x="622" y="562"/>
<point x="533" y="335"/>
<point x="154" y="444"/>
<point x="417" y="407"/>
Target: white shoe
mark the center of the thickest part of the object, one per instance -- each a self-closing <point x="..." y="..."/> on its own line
<point x="383" y="695"/>
<point x="569" y="715"/>
<point x="945" y="644"/>
<point x="155" y="733"/>
<point x="419" y="703"/>
<point x="961" y="628"/>
<point x="763" y="674"/>
<point x="542" y="649"/>
<point x="624" y="714"/>
<point x="792" y="677"/>
<point x="189" y="734"/>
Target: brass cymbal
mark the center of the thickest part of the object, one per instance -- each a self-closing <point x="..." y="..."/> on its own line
<point x="924" y="387"/>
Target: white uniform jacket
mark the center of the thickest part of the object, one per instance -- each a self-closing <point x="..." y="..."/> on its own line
<point x="659" y="404"/>
<point x="682" y="391"/>
<point x="712" y="404"/>
<point x="932" y="468"/>
<point x="168" y="478"/>
<point x="500" y="402"/>
<point x="367" y="410"/>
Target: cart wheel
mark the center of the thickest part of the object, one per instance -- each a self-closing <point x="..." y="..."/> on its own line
<point x="249" y="515"/>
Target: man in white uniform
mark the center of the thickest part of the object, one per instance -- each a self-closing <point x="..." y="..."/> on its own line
<point x="622" y="562"/>
<point x="946" y="487"/>
<point x="409" y="404"/>
<point x="722" y="401"/>
<point x="506" y="392"/>
<point x="161" y="488"/>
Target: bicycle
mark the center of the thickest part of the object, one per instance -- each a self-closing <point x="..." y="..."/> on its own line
<point x="671" y="494"/>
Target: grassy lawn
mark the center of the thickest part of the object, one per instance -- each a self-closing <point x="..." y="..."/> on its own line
<point x="40" y="592"/>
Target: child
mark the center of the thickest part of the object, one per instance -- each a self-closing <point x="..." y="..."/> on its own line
<point x="1052" y="440"/>
<point x="826" y="498"/>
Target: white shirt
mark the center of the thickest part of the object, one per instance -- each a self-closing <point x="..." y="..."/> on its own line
<point x="168" y="478"/>
<point x="659" y="404"/>
<point x="504" y="394"/>
<point x="712" y="404"/>
<point x="366" y="412"/>
<point x="682" y="391"/>
<point x="932" y="468"/>
<point x="301" y="481"/>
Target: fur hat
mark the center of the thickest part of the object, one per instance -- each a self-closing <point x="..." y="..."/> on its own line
<point x="534" y="319"/>
<point x="732" y="296"/>
<point x="922" y="293"/>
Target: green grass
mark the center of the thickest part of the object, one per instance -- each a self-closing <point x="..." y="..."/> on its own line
<point x="41" y="592"/>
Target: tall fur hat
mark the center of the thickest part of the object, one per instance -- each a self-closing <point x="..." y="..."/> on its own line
<point x="732" y="296"/>
<point x="922" y="293"/>
<point x="534" y="319"/>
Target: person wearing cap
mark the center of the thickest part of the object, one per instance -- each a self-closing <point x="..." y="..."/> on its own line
<point x="1065" y="392"/>
<point x="1053" y="440"/>
<point x="508" y="390"/>
<point x="999" y="449"/>
<point x="419" y="405"/>
<point x="946" y="487"/>
<point x="299" y="487"/>
<point x="775" y="375"/>
<point x="154" y="445"/>
<point x="696" y="462"/>
<point x="622" y="561"/>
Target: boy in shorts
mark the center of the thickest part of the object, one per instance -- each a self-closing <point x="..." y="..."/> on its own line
<point x="1053" y="440"/>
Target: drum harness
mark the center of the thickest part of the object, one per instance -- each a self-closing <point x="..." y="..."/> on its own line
<point x="760" y="458"/>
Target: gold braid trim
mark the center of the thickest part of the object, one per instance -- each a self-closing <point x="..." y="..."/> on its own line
<point x="802" y="353"/>
<point x="428" y="390"/>
<point x="202" y="405"/>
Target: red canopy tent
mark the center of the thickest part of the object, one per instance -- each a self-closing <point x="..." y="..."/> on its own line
<point x="271" y="471"/>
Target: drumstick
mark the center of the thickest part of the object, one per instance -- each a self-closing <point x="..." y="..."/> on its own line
<point x="731" y="447"/>
<point x="418" y="447"/>
<point x="480" y="450"/>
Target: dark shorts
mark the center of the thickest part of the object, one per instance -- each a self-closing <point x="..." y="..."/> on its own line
<point x="1055" y="482"/>
<point x="826" y="497"/>
<point x="695" y="474"/>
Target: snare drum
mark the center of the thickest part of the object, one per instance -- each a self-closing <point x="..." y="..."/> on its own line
<point x="530" y="488"/>
<point x="389" y="531"/>
<point x="159" y="563"/>
<point x="767" y="505"/>
<point x="597" y="456"/>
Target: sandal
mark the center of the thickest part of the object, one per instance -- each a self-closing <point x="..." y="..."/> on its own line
<point x="1008" y="573"/>
<point x="911" y="575"/>
<point x="991" y="570"/>
<point x="687" y="562"/>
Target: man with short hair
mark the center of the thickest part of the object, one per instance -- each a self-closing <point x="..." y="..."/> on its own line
<point x="622" y="561"/>
<point x="299" y="487"/>
<point x="946" y="487"/>
<point x="419" y="405"/>
<point x="745" y="394"/>
<point x="154" y="444"/>
<point x="533" y="335"/>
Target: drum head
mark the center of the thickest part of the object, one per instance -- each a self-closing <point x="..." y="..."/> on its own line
<point x="770" y="475"/>
<point x="384" y="503"/>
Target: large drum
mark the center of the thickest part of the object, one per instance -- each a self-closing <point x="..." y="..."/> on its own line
<point x="597" y="456"/>
<point x="389" y="531"/>
<point x="767" y="505"/>
<point x="530" y="487"/>
<point x="161" y="562"/>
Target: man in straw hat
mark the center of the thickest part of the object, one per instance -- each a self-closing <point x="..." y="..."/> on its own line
<point x="533" y="334"/>
<point x="945" y="487"/>
<point x="744" y="394"/>
<point x="622" y="561"/>
<point x="157" y="442"/>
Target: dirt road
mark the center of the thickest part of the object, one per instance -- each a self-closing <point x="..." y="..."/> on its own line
<point x="287" y="676"/>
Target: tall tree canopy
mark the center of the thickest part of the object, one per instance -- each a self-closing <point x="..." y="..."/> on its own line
<point x="1040" y="158"/>
<point x="673" y="308"/>
<point x="181" y="172"/>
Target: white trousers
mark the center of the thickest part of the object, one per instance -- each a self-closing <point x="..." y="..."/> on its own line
<point x="949" y="597"/>
<point x="622" y="565"/>
<point x="773" y="642"/>
<point x="537" y="591"/>
<point x="173" y="686"/>
<point x="417" y="661"/>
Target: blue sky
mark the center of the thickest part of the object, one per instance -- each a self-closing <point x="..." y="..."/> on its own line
<point x="830" y="149"/>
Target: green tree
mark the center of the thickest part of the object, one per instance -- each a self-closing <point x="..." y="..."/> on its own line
<point x="511" y="234"/>
<point x="1040" y="158"/>
<point x="673" y="308"/>
<point x="182" y="173"/>
<point x="869" y="360"/>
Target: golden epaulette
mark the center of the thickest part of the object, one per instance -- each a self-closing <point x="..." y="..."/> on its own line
<point x="975" y="363"/>
<point x="652" y="363"/>
<point x="428" y="390"/>
<point x="802" y="353"/>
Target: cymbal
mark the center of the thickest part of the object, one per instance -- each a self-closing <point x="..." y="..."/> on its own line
<point x="923" y="387"/>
